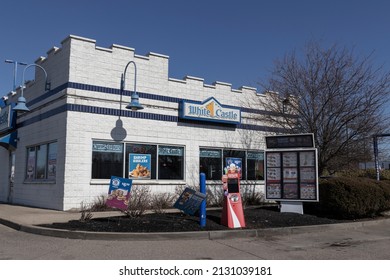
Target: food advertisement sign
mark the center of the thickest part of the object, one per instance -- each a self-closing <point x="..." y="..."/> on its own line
<point x="291" y="174"/>
<point x="273" y="159"/>
<point x="140" y="166"/>
<point x="189" y="201"/>
<point x="119" y="193"/>
<point x="233" y="165"/>
<point x="274" y="191"/>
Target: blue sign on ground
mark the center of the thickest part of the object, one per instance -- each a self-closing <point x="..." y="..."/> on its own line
<point x="189" y="201"/>
<point x="119" y="192"/>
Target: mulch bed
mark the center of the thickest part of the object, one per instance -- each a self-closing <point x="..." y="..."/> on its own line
<point x="255" y="218"/>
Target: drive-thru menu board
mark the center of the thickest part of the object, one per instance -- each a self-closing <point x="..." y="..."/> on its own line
<point x="291" y="173"/>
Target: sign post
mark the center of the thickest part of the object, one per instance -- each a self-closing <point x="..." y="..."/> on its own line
<point x="202" y="212"/>
<point x="291" y="163"/>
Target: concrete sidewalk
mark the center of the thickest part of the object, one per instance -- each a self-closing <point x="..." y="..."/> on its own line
<point x="27" y="219"/>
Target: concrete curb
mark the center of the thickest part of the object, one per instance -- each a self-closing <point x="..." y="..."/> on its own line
<point x="211" y="235"/>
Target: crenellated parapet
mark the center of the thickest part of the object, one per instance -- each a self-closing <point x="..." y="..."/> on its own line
<point x="80" y="60"/>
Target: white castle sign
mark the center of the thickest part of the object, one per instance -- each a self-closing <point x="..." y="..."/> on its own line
<point x="210" y="110"/>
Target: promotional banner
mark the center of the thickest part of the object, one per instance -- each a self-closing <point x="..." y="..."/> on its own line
<point x="119" y="193"/>
<point x="140" y="166"/>
<point x="189" y="201"/>
<point x="233" y="166"/>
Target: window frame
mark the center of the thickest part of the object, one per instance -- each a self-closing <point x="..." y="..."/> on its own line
<point x="102" y="142"/>
<point x="127" y="150"/>
<point x="35" y="160"/>
<point x="224" y="156"/>
<point x="181" y="157"/>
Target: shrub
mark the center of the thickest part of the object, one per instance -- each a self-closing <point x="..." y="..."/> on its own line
<point x="250" y="196"/>
<point x="351" y="198"/>
<point x="99" y="204"/>
<point x="368" y="173"/>
<point x="160" y="202"/>
<point x="86" y="213"/>
<point x="139" y="201"/>
<point x="214" y="195"/>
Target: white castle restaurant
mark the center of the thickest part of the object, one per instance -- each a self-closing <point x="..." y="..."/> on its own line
<point x="78" y="133"/>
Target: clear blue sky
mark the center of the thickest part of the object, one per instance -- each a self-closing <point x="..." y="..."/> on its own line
<point x="228" y="41"/>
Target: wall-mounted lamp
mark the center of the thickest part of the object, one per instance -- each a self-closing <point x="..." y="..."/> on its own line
<point x="134" y="104"/>
<point x="21" y="105"/>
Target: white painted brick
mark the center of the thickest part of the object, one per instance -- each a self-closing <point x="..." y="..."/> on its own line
<point x="79" y="60"/>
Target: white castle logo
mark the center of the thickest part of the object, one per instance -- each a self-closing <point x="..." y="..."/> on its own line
<point x="212" y="110"/>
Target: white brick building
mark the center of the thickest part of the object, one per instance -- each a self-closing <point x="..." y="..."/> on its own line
<point x="77" y="134"/>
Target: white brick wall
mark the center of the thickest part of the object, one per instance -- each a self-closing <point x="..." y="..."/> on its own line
<point x="79" y="60"/>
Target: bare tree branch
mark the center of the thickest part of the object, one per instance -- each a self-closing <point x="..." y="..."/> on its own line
<point x="332" y="93"/>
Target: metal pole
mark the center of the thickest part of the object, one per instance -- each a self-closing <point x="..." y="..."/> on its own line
<point x="202" y="212"/>
<point x="15" y="63"/>
<point x="34" y="65"/>
<point x="134" y="102"/>
<point x="21" y="106"/>
<point x="376" y="157"/>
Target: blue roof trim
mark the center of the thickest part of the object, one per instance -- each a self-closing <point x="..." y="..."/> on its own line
<point x="150" y="96"/>
<point x="131" y="114"/>
<point x="9" y="141"/>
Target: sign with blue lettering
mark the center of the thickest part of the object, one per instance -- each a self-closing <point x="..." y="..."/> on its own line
<point x="140" y="166"/>
<point x="189" y="201"/>
<point x="210" y="110"/>
<point x="119" y="193"/>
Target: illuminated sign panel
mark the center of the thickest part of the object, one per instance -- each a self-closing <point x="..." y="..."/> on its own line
<point x="290" y="141"/>
<point x="210" y="110"/>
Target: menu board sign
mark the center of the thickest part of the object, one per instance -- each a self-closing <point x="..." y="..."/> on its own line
<point x="291" y="175"/>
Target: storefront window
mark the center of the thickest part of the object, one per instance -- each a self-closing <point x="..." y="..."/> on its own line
<point x="52" y="161"/>
<point x="41" y="162"/>
<point x="170" y="162"/>
<point x="30" y="175"/>
<point x="141" y="161"/>
<point x="216" y="162"/>
<point x="107" y="160"/>
<point x="238" y="157"/>
<point x="146" y="170"/>
<point x="211" y="163"/>
<point x="255" y="163"/>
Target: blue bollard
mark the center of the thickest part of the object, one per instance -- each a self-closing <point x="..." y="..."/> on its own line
<point x="202" y="212"/>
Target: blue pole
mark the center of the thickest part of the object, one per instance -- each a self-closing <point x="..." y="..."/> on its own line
<point x="202" y="211"/>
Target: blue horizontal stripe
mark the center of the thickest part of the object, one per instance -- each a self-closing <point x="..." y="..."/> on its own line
<point x="129" y="114"/>
<point x="117" y="91"/>
<point x="125" y="113"/>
